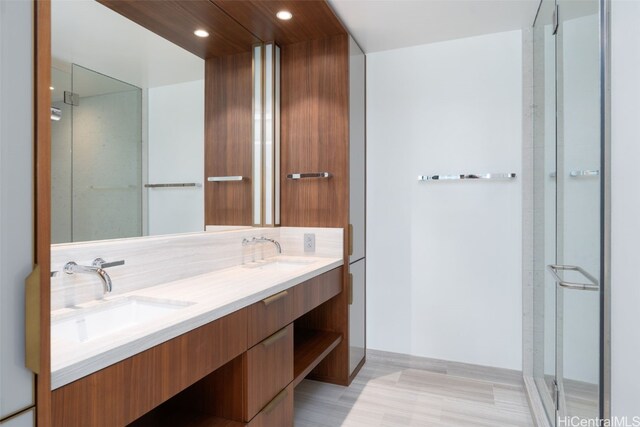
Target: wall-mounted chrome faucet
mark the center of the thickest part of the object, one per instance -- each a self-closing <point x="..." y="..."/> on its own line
<point x="97" y="267"/>
<point x="256" y="240"/>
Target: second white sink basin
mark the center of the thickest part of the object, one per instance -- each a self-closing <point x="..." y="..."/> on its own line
<point x="283" y="265"/>
<point x="109" y="317"/>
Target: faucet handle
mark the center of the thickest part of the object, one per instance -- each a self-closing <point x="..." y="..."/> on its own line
<point x="101" y="263"/>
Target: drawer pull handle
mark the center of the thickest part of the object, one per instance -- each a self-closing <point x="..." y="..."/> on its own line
<point x="276" y="401"/>
<point x="274" y="298"/>
<point x="275" y="337"/>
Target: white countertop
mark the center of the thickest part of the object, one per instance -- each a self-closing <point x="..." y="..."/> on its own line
<point x="213" y="295"/>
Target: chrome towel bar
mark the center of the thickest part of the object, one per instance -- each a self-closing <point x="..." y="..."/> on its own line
<point x="466" y="176"/>
<point x="115" y="188"/>
<point x="309" y="175"/>
<point x="584" y="173"/>
<point x="225" y="178"/>
<point x="579" y="173"/>
<point x="175" y="184"/>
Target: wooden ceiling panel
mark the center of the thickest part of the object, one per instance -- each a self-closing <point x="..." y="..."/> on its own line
<point x="176" y="21"/>
<point x="312" y="19"/>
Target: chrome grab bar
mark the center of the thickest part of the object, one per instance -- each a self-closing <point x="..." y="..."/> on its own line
<point x="173" y="184"/>
<point x="593" y="286"/>
<point x="466" y="176"/>
<point x="309" y="175"/>
<point x="225" y="178"/>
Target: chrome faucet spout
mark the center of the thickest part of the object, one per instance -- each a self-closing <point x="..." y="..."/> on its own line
<point x="73" y="268"/>
<point x="266" y="239"/>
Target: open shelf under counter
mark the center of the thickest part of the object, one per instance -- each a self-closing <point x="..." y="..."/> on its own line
<point x="310" y="348"/>
<point x="167" y="418"/>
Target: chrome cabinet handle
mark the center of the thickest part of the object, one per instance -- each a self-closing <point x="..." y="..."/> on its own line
<point x="593" y="286"/>
<point x="309" y="175"/>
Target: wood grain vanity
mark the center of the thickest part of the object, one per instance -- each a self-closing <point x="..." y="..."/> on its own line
<point x="241" y="368"/>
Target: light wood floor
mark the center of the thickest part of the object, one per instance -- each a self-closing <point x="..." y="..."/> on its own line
<point x="398" y="390"/>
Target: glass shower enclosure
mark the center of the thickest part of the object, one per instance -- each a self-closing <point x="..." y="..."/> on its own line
<point x="96" y="156"/>
<point x="568" y="336"/>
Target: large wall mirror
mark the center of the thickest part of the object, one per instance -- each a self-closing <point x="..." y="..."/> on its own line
<point x="127" y="118"/>
<point x="128" y="131"/>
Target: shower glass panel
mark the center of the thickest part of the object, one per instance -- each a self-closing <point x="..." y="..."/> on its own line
<point x="579" y="203"/>
<point x="567" y="209"/>
<point x="61" y="157"/>
<point x="96" y="158"/>
<point x="544" y="360"/>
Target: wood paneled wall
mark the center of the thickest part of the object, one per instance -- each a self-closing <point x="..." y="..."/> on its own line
<point x="315" y="138"/>
<point x="312" y="19"/>
<point x="228" y="139"/>
<point x="42" y="202"/>
<point x="176" y="20"/>
<point x="315" y="132"/>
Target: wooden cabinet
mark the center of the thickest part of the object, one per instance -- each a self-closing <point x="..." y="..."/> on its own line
<point x="269" y="369"/>
<point x="323" y="130"/>
<point x="269" y="315"/>
<point x="357" y="208"/>
<point x="313" y="292"/>
<point x="255" y="387"/>
<point x="228" y="140"/>
<point x="357" y="151"/>
<point x="314" y="110"/>
<point x="120" y="393"/>
<point x="279" y="412"/>
<point x="357" y="329"/>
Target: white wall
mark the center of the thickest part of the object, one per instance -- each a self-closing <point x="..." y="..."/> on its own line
<point x="444" y="258"/>
<point x="16" y="201"/>
<point x="625" y="209"/>
<point x="176" y="155"/>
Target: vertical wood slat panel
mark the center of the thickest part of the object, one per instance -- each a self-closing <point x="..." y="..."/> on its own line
<point x="315" y="132"/>
<point x="228" y="139"/>
<point x="42" y="201"/>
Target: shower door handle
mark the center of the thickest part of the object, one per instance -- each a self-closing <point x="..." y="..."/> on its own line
<point x="592" y="286"/>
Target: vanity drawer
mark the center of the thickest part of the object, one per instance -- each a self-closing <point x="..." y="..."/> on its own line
<point x="269" y="369"/>
<point x="278" y="412"/>
<point x="310" y="294"/>
<point x="269" y="315"/>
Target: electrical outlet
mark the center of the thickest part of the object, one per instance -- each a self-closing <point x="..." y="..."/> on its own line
<point x="309" y="242"/>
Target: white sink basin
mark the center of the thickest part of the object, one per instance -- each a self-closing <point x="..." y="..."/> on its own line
<point x="283" y="265"/>
<point x="109" y="317"/>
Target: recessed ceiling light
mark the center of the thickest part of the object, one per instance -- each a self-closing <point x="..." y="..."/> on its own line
<point x="284" y="15"/>
<point x="51" y="87"/>
<point x="201" y="33"/>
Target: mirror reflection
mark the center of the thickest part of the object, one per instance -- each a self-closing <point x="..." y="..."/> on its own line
<point x="127" y="128"/>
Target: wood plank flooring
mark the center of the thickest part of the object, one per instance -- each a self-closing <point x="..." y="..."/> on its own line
<point x="394" y="390"/>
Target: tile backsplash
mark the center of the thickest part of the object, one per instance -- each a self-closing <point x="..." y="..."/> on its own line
<point x="154" y="260"/>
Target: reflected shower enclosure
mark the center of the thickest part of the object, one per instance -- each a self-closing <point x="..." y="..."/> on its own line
<point x="96" y="157"/>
